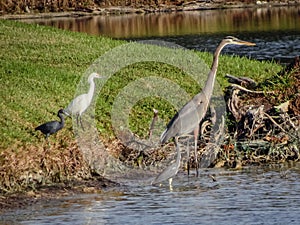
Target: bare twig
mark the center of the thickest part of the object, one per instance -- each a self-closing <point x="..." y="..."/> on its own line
<point x="246" y="81"/>
<point x="250" y="91"/>
<point x="280" y="127"/>
<point x="257" y="116"/>
<point x="213" y="147"/>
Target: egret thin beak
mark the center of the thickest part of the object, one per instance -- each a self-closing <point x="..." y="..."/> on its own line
<point x="66" y="113"/>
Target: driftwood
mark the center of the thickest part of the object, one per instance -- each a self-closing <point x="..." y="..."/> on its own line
<point x="212" y="148"/>
<point x="262" y="131"/>
<point x="242" y="81"/>
<point x="262" y="128"/>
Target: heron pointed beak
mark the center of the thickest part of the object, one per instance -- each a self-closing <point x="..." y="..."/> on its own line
<point x="241" y="42"/>
<point x="101" y="77"/>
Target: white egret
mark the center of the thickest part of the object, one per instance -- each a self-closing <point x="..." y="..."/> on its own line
<point x="80" y="104"/>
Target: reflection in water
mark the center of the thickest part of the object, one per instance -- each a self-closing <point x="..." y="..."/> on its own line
<point x="250" y="196"/>
<point x="281" y="46"/>
<point x="182" y="23"/>
<point x="254" y="195"/>
<point x="276" y="31"/>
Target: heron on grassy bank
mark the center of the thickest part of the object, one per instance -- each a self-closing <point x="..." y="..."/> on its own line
<point x="53" y="126"/>
<point x="80" y="104"/>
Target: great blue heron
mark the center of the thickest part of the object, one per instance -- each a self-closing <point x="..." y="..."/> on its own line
<point x="80" y="104"/>
<point x="172" y="169"/>
<point x="187" y="119"/>
<point x="52" y="126"/>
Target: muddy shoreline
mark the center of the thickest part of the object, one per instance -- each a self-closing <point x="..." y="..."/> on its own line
<point x="44" y="193"/>
<point x="98" y="184"/>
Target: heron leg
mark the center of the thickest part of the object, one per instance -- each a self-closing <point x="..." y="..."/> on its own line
<point x="77" y="119"/>
<point x="188" y="156"/>
<point x="47" y="140"/>
<point x="81" y="124"/>
<point x="196" y="132"/>
<point x="170" y="184"/>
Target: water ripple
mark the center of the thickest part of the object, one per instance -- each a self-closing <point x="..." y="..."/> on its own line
<point x="254" y="195"/>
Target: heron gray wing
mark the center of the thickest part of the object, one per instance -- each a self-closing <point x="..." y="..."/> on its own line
<point x="187" y="119"/>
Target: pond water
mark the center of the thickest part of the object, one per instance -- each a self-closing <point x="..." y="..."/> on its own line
<point x="254" y="195"/>
<point x="275" y="30"/>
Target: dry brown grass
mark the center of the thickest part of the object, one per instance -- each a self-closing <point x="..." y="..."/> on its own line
<point x="31" y="166"/>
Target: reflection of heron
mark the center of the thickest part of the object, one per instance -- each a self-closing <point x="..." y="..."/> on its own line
<point x="172" y="169"/>
<point x="52" y="126"/>
<point x="80" y="104"/>
<point x="191" y="114"/>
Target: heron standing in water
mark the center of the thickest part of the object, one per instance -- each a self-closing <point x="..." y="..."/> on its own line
<point x="187" y="119"/>
<point x="80" y="104"/>
<point x="171" y="170"/>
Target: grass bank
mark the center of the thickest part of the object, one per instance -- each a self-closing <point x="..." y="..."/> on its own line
<point x="40" y="69"/>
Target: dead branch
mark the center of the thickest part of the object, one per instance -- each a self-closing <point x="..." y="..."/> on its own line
<point x="243" y="81"/>
<point x="212" y="148"/>
<point x="280" y="127"/>
<point x="250" y="91"/>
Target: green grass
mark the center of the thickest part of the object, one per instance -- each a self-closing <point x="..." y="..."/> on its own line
<point x="40" y="72"/>
<point x="41" y="67"/>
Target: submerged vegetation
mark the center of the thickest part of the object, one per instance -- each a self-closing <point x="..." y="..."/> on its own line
<point x="40" y="69"/>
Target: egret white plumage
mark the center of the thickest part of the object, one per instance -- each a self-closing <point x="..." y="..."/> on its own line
<point x="80" y="104"/>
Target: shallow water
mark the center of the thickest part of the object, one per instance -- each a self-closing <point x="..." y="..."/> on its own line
<point x="254" y="195"/>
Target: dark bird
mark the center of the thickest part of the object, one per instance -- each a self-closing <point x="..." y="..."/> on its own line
<point x="187" y="119"/>
<point x="53" y="126"/>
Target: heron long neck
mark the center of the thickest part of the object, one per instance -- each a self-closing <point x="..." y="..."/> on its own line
<point x="62" y="119"/>
<point x="91" y="90"/>
<point x="209" y="85"/>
